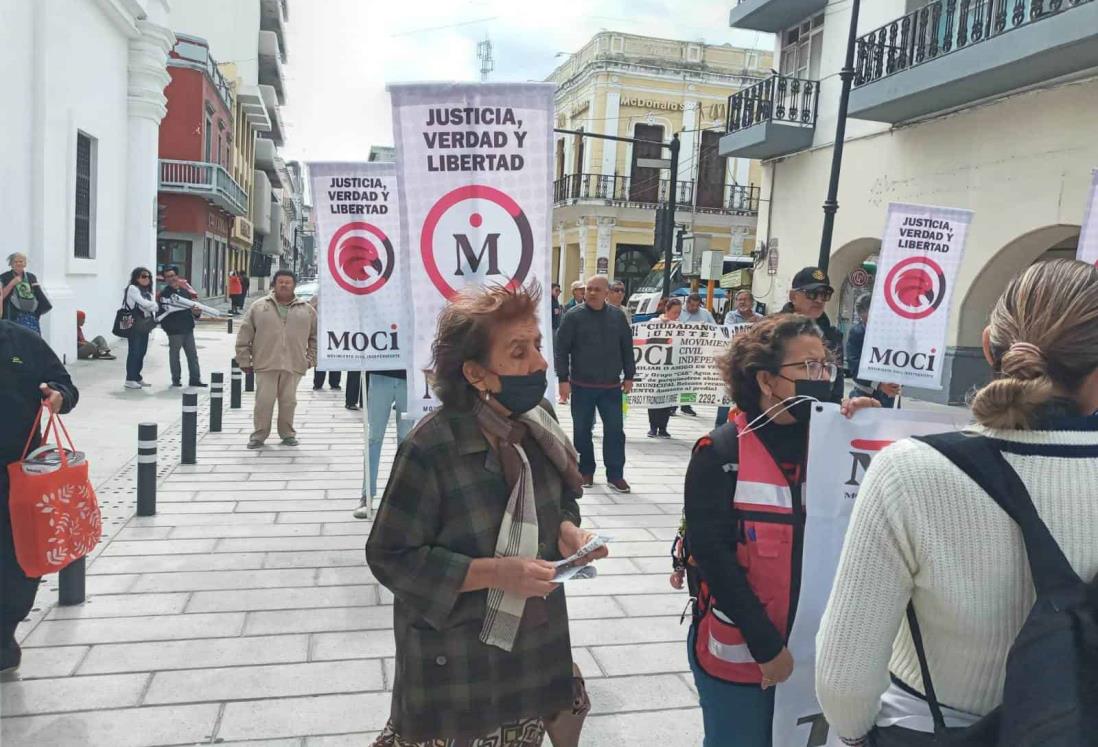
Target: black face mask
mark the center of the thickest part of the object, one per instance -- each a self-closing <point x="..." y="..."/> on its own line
<point x="521" y="394"/>
<point x="819" y="390"/>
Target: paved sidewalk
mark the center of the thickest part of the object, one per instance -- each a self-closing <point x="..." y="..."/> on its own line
<point x="244" y="613"/>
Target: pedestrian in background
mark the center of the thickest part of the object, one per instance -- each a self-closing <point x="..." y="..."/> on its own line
<point x="482" y="499"/>
<point x="923" y="531"/>
<point x="334" y="377"/>
<point x="30" y="373"/>
<point x="694" y="313"/>
<point x="747" y="550"/>
<point x="744" y="313"/>
<point x="236" y="292"/>
<point x="659" y="417"/>
<point x="557" y="309"/>
<point x="97" y="348"/>
<point x="578" y="291"/>
<point x="617" y="295"/>
<point x="22" y="299"/>
<point x="140" y="300"/>
<point x="388" y="392"/>
<point x="855" y="340"/>
<point x="594" y="357"/>
<point x="808" y="296"/>
<point x="277" y="340"/>
<point x="177" y="321"/>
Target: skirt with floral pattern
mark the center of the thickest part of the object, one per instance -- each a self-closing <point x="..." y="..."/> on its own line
<point x="529" y="732"/>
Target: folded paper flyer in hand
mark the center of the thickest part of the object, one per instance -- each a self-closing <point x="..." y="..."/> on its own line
<point x="569" y="570"/>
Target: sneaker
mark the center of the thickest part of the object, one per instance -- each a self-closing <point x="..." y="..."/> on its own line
<point x="290" y="441"/>
<point x="663" y="434"/>
<point x="351" y="407"/>
<point x="619" y="485"/>
<point x="144" y="383"/>
<point x="688" y="410"/>
<point x="176" y="385"/>
<point x="363" y="510"/>
<point x="132" y="385"/>
<point x="651" y="432"/>
<point x="10" y="657"/>
<point x="335" y="387"/>
<point x="198" y="383"/>
<point x="588" y="481"/>
<point x="318" y="388"/>
<point x="106" y="357"/>
<point x="253" y="444"/>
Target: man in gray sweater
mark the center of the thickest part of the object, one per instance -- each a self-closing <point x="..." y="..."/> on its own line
<point x="594" y="357"/>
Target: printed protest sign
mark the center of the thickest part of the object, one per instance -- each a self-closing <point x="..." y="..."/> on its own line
<point x="908" y="319"/>
<point x="363" y="323"/>
<point x="1088" y="236"/>
<point x="839" y="452"/>
<point x="474" y="165"/>
<point x="676" y="363"/>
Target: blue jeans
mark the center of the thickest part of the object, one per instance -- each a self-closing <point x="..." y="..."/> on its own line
<point x="734" y="715"/>
<point x="386" y="393"/>
<point x="135" y="355"/>
<point x="585" y="400"/>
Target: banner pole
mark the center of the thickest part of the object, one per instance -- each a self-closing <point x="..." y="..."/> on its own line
<point x="366" y="447"/>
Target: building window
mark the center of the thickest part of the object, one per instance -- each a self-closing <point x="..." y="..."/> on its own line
<point x="208" y="139"/>
<point x="802" y="46"/>
<point x="84" y="229"/>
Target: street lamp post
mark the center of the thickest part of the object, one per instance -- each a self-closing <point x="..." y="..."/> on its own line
<point x="831" y="205"/>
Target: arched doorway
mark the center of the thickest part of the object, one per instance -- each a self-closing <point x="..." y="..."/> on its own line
<point x="632" y="263"/>
<point x="852" y="271"/>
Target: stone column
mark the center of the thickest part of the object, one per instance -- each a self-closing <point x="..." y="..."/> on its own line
<point x="147" y="105"/>
<point x="602" y="245"/>
<point x="610" y="127"/>
<point x="562" y="260"/>
<point x="585" y="270"/>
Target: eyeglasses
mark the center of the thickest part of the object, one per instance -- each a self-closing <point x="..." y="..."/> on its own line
<point x="144" y="276"/>
<point x="814" y="370"/>
<point x="818" y="294"/>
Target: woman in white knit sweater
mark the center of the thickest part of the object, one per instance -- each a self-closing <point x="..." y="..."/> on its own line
<point x="923" y="531"/>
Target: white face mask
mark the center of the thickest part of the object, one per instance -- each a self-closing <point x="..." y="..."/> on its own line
<point x="778" y="407"/>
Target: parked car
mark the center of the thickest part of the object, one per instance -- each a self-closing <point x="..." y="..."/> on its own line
<point x="306" y="291"/>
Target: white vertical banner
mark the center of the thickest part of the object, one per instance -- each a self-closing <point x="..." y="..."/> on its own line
<point x="840" y="450"/>
<point x="364" y="324"/>
<point x="920" y="257"/>
<point x="1088" y="236"/>
<point x="474" y="164"/>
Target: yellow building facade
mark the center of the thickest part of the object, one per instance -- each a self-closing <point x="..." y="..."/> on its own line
<point x="647" y="88"/>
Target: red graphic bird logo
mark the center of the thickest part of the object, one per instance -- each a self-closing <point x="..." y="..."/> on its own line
<point x="356" y="255"/>
<point x="914" y="286"/>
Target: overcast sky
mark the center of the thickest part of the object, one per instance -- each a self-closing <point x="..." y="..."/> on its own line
<point x="342" y="53"/>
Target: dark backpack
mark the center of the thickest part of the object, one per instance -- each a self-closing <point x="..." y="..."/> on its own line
<point x="1050" y="696"/>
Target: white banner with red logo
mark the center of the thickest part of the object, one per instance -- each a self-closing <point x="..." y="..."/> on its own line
<point x="839" y="452"/>
<point x="474" y="162"/>
<point x="676" y="363"/>
<point x="920" y="256"/>
<point x="1088" y="236"/>
<point x="362" y="267"/>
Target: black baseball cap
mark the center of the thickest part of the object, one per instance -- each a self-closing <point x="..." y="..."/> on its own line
<point x="811" y="278"/>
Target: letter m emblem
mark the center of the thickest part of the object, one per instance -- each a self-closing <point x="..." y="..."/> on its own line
<point x="463" y="247"/>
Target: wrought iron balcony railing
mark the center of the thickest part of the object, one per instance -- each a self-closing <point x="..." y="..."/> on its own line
<point x="779" y="98"/>
<point x="942" y="27"/>
<point x="624" y="190"/>
<point x="209" y="180"/>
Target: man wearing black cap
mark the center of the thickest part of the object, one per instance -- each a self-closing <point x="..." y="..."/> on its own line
<point x="809" y="294"/>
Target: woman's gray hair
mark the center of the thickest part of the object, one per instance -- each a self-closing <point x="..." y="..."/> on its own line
<point x="15" y="255"/>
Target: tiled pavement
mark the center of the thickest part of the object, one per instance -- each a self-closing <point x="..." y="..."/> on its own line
<point x="243" y="612"/>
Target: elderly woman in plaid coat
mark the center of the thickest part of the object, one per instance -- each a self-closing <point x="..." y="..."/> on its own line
<point x="482" y="497"/>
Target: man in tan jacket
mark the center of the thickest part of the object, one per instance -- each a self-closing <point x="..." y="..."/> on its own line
<point x="277" y="340"/>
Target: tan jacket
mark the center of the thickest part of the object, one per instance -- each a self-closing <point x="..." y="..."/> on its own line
<point x="266" y="343"/>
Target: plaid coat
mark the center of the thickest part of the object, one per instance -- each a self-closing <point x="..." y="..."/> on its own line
<point x="443" y="507"/>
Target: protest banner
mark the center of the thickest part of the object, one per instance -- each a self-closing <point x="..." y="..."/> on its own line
<point x="676" y="363"/>
<point x="474" y="167"/>
<point x="1088" y="235"/>
<point x="363" y="324"/>
<point x="920" y="256"/>
<point x="839" y="452"/>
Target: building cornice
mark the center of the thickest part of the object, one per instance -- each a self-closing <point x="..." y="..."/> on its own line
<point x="148" y="73"/>
<point x="743" y="80"/>
<point x="123" y="14"/>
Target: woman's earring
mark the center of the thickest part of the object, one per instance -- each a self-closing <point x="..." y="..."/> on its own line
<point x="485" y="394"/>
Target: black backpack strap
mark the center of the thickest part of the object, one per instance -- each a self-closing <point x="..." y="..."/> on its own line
<point x="725" y="440"/>
<point x="924" y="669"/>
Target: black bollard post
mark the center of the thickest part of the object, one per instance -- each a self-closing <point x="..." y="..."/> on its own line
<point x="230" y="331"/>
<point x="190" y="427"/>
<point x="146" y="469"/>
<point x="249" y="380"/>
<point x="70" y="583"/>
<point x="217" y="394"/>
<point x="234" y="392"/>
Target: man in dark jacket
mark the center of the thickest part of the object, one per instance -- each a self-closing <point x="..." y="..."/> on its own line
<point x="179" y="325"/>
<point x="594" y="350"/>
<point x="29" y="373"/>
<point x="809" y="294"/>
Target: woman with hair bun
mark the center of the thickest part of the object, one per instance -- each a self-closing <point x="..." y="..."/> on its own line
<point x="923" y="531"/>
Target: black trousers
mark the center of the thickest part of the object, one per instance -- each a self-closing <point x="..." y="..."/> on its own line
<point x="17" y="591"/>
<point x="333" y="378"/>
<point x="353" y="392"/>
<point x="658" y="417"/>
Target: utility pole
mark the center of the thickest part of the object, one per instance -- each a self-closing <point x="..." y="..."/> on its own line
<point x="670" y="240"/>
<point x="831" y="205"/>
<point x="487" y="62"/>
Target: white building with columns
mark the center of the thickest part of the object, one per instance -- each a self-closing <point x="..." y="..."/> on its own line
<point x="83" y="91"/>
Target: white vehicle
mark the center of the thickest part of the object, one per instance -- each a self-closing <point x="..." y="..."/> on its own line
<point x="642" y="305"/>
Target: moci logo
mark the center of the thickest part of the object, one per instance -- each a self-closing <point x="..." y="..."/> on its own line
<point x="915" y="287"/>
<point x="383" y="340"/>
<point x="476" y="234"/>
<point x="361" y="258"/>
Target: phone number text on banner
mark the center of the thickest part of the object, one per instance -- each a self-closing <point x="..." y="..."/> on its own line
<point x="676" y="363"/>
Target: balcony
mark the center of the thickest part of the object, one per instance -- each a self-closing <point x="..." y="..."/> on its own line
<point x="953" y="53"/>
<point x="207" y="180"/>
<point x="253" y="108"/>
<point x="261" y="204"/>
<point x="772" y="118"/>
<point x="270" y="64"/>
<point x="274" y="112"/>
<point x="271" y="19"/>
<point x="774" y="16"/>
<point x="733" y="199"/>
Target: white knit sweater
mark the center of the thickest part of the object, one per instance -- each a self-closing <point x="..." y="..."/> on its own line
<point x="923" y="530"/>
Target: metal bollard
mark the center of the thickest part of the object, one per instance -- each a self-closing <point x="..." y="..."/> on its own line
<point x="217" y="394"/>
<point x="234" y="392"/>
<point x="249" y="381"/>
<point x="70" y="583"/>
<point x="230" y="325"/>
<point x="190" y="427"/>
<point x="146" y="469"/>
